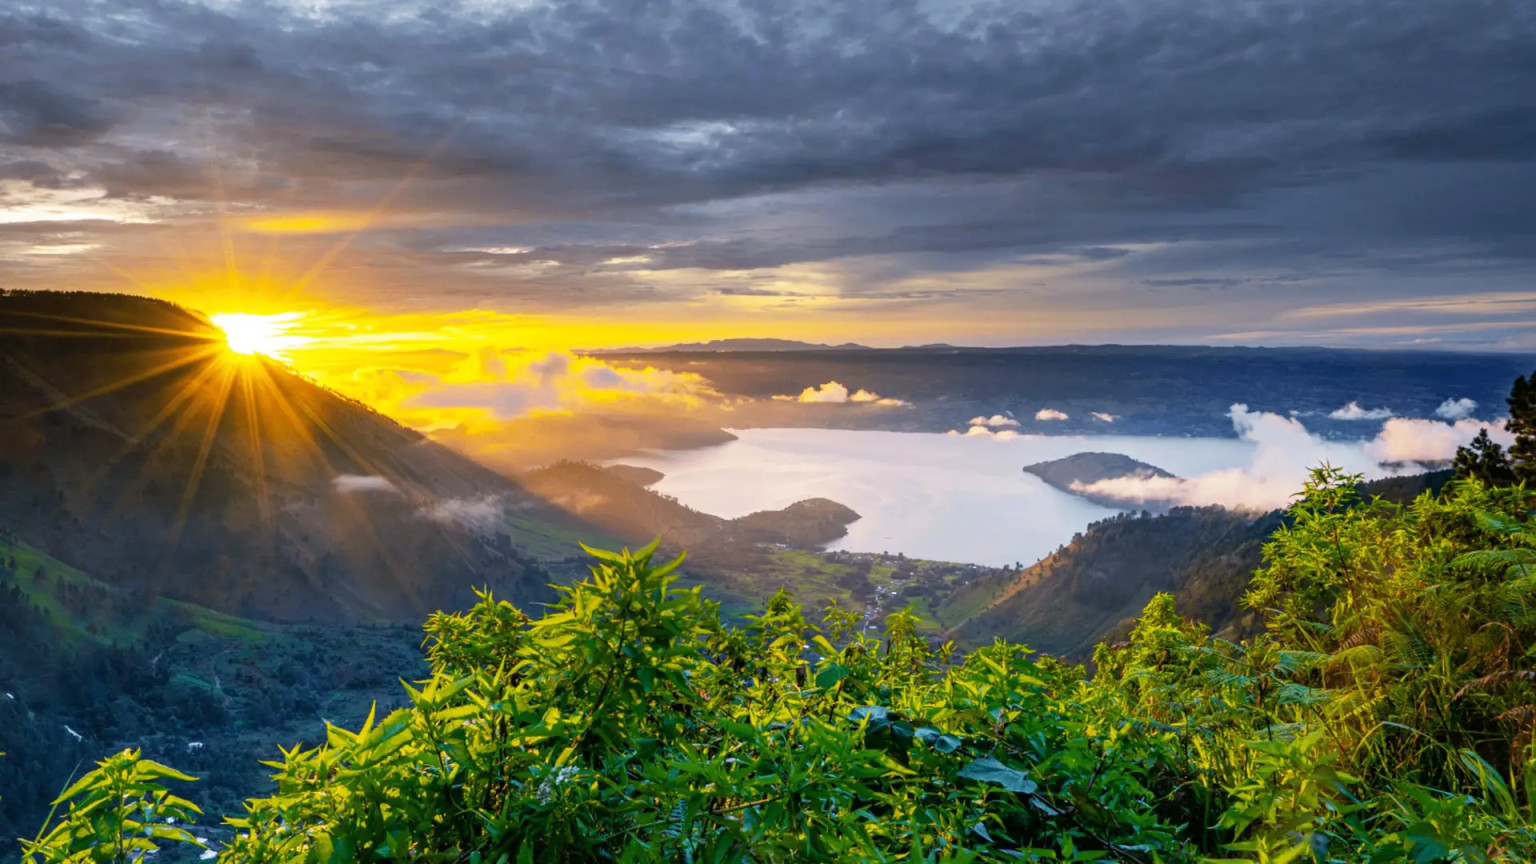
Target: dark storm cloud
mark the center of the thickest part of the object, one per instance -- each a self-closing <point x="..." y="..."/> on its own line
<point x="38" y="115"/>
<point x="1499" y="134"/>
<point x="32" y="171"/>
<point x="756" y="135"/>
<point x="1038" y="244"/>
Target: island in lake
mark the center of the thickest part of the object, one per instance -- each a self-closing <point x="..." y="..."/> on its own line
<point x="1078" y="473"/>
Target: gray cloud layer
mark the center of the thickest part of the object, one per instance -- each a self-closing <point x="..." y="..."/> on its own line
<point x="1158" y="152"/>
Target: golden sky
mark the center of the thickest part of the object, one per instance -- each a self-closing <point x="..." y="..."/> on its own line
<point x="537" y="175"/>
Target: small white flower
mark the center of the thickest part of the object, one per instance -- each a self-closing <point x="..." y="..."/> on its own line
<point x="547" y="788"/>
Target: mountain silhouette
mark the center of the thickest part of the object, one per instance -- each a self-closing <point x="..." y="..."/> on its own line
<point x="136" y="447"/>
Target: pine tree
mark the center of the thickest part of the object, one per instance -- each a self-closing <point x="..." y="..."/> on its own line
<point x="1485" y="460"/>
<point x="1522" y="423"/>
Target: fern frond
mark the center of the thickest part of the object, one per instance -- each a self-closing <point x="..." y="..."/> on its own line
<point x="1494" y="679"/>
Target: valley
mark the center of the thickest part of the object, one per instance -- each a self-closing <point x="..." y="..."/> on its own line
<point x="210" y="558"/>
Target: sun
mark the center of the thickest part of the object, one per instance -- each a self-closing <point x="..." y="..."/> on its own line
<point x="267" y="335"/>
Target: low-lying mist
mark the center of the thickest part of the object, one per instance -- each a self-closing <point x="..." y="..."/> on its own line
<point x="1284" y="451"/>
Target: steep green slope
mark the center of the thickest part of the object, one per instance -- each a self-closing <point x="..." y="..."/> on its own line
<point x="1091" y="589"/>
<point x="1066" y="603"/>
<point x="133" y="446"/>
<point x="77" y="607"/>
<point x="85" y="667"/>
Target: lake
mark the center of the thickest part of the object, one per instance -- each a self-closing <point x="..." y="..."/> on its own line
<point x="940" y="497"/>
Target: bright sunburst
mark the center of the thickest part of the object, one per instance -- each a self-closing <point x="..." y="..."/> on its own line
<point x="269" y="335"/>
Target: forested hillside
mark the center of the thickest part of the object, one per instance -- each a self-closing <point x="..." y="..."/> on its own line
<point x="1092" y="588"/>
<point x="1070" y="600"/>
<point x="167" y="466"/>
<point x="1383" y="713"/>
<point x="85" y="668"/>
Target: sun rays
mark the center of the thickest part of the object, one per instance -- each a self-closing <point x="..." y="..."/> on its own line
<point x="193" y="418"/>
<point x="270" y="335"/>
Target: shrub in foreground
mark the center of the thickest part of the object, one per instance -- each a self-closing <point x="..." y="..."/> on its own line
<point x="1385" y="716"/>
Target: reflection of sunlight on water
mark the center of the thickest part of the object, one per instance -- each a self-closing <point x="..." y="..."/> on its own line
<point x="929" y="496"/>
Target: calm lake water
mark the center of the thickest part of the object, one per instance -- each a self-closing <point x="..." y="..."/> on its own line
<point x="941" y="497"/>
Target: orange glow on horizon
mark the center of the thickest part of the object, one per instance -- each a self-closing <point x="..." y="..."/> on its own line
<point x="467" y="374"/>
<point x="307" y="223"/>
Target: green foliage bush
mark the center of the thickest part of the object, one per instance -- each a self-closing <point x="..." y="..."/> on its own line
<point x="116" y="813"/>
<point x="1385" y="715"/>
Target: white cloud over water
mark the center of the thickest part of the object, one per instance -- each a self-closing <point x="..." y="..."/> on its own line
<point x="1456" y="409"/>
<point x="831" y="392"/>
<point x="979" y="430"/>
<point x="995" y="421"/>
<point x="1050" y="414"/>
<point x="1404" y="440"/>
<point x="1285" y="452"/>
<point x="1353" y="411"/>
<point x="834" y="393"/>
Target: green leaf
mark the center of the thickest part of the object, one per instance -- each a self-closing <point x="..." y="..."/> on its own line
<point x="828" y="678"/>
<point x="169" y="832"/>
<point x="744" y="731"/>
<point x="649" y="550"/>
<point x="988" y="770"/>
<point x="320" y="849"/>
<point x="155" y="770"/>
<point x="667" y="568"/>
<point x="343" y="851"/>
<point x="873" y="713"/>
<point x="601" y="555"/>
<point x="89" y="781"/>
<point x="938" y="740"/>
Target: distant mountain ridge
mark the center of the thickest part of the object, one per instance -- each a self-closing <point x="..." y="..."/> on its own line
<point x="1164" y="390"/>
<point x="745" y="344"/>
